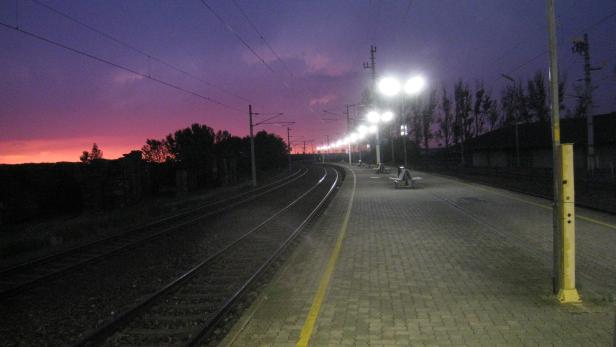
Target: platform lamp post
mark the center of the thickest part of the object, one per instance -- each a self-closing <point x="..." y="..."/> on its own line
<point x="517" y="123"/>
<point x="391" y="87"/>
<point x="374" y="117"/>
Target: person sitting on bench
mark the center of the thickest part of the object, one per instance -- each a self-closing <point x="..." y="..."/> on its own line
<point x="405" y="177"/>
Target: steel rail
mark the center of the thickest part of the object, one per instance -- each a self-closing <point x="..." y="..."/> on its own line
<point x="209" y="326"/>
<point x="73" y="252"/>
<point x="148" y="225"/>
<point x="99" y="335"/>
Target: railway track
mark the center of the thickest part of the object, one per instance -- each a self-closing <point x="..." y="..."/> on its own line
<point x="186" y="310"/>
<point x="16" y="279"/>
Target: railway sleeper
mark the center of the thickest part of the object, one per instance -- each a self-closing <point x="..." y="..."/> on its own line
<point x="187" y="310"/>
<point x="149" y="337"/>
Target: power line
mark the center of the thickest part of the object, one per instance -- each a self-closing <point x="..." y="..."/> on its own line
<point x="590" y="27"/>
<point x="408" y="10"/>
<point x="135" y="49"/>
<point x="599" y="22"/>
<point x="237" y="36"/>
<point x="254" y="27"/>
<point x="282" y="62"/>
<point x="116" y="65"/>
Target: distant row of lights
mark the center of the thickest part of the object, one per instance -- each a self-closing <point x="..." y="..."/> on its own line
<point x="373" y="117"/>
<point x="388" y="86"/>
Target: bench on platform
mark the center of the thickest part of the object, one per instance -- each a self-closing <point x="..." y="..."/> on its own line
<point x="381" y="169"/>
<point x="405" y="179"/>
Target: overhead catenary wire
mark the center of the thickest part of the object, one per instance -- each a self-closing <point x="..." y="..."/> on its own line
<point x="242" y="40"/>
<point x="254" y="27"/>
<point x="237" y="36"/>
<point x="119" y="66"/>
<point x="262" y="37"/>
<point x="138" y="50"/>
<point x="590" y="27"/>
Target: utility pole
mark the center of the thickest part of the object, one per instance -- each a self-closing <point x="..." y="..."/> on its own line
<point x="553" y="76"/>
<point x="252" y="148"/>
<point x="583" y="48"/>
<point x="304" y="152"/>
<point x="404" y="132"/>
<point x="563" y="207"/>
<point x="327" y="151"/>
<point x="393" y="151"/>
<point x="252" y="139"/>
<point x="372" y="66"/>
<point x="348" y="120"/>
<point x="517" y="145"/>
<point x="289" y="142"/>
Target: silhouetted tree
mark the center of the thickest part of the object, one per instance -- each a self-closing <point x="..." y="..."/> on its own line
<point x="95" y="153"/>
<point x="270" y="150"/>
<point x="478" y="115"/>
<point x="514" y="104"/>
<point x="192" y="147"/>
<point x="462" y="99"/>
<point x="562" y="87"/>
<point x="416" y="130"/>
<point x="193" y="151"/>
<point x="537" y="98"/>
<point x="490" y="109"/>
<point x="428" y="118"/>
<point x="156" y="151"/>
<point x="445" y="121"/>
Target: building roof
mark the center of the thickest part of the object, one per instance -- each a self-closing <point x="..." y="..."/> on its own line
<point x="539" y="134"/>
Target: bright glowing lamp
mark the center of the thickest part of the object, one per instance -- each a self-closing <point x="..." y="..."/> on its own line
<point x="373" y="117"/>
<point x="362" y="129"/>
<point x="387" y="116"/>
<point x="414" y="85"/>
<point x="389" y="86"/>
<point x="372" y="129"/>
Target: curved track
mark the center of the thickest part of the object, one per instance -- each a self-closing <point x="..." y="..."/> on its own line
<point x="18" y="278"/>
<point x="185" y="310"/>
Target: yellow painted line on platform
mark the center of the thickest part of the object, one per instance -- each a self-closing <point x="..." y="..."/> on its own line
<point x="545" y="206"/>
<point x="592" y="220"/>
<point x="317" y="301"/>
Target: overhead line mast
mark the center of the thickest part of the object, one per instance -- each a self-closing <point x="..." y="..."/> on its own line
<point x="372" y="66"/>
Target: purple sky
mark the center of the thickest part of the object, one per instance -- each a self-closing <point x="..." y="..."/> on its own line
<point x="55" y="103"/>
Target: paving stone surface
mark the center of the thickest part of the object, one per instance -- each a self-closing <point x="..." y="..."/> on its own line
<point x="448" y="263"/>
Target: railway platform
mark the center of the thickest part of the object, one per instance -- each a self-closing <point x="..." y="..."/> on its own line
<point x="447" y="263"/>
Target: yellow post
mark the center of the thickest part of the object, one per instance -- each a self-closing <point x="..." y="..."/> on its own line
<point x="567" y="292"/>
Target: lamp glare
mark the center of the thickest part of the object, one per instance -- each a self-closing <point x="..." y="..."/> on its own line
<point x="414" y="85"/>
<point x="387" y="116"/>
<point x="373" y="117"/>
<point x="389" y="86"/>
